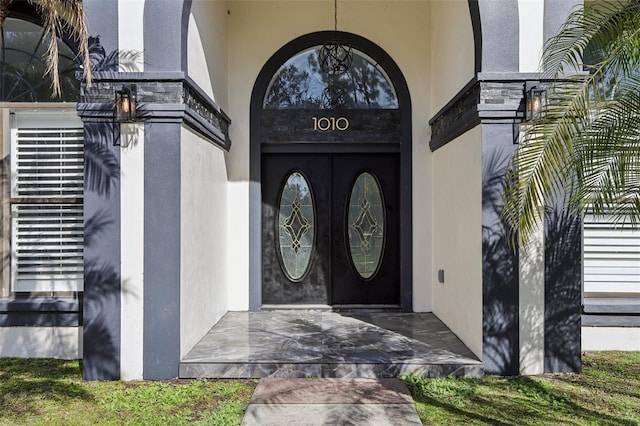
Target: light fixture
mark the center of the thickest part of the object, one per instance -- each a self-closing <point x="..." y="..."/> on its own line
<point x="536" y="100"/>
<point x="335" y="56"/>
<point x="126" y="104"/>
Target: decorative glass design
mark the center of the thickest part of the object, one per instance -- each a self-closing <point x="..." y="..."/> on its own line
<point x="22" y="65"/>
<point x="296" y="226"/>
<point x="301" y="83"/>
<point x="366" y="225"/>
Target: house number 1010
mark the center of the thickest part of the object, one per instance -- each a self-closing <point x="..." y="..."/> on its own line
<point x="324" y="124"/>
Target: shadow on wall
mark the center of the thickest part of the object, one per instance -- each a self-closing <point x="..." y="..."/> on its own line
<point x="499" y="273"/>
<point x="100" y="302"/>
<point x="117" y="60"/>
<point x="563" y="272"/>
<point x="101" y="313"/>
<point x="563" y="292"/>
<point x="102" y="288"/>
<point x="50" y="330"/>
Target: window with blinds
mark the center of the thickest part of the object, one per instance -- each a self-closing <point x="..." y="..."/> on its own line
<point x="611" y="259"/>
<point x="47" y="232"/>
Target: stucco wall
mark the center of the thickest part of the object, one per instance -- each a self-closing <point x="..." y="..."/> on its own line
<point x="203" y="272"/>
<point x="610" y="338"/>
<point x="132" y="211"/>
<point x="41" y="342"/>
<point x="207" y="48"/>
<point x="452" y="49"/>
<point x="457" y="237"/>
<point x="131" y="34"/>
<point x="203" y="269"/>
<point x="257" y="29"/>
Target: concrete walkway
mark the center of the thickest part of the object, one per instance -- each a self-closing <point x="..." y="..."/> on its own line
<point x="345" y="401"/>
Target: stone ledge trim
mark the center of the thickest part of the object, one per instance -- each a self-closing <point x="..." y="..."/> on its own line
<point x="487" y="97"/>
<point x="162" y="97"/>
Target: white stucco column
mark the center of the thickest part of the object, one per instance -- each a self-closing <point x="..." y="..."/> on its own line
<point x="131" y="40"/>
<point x="132" y="251"/>
<point x="531" y="37"/>
<point x="131" y="35"/>
<point x="531" y="290"/>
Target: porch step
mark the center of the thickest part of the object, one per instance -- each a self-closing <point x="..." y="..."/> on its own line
<point x="328" y="344"/>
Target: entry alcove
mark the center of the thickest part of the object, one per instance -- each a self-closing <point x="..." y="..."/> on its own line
<point x="332" y="130"/>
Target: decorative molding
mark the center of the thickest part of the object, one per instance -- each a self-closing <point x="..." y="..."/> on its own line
<point x="162" y="97"/>
<point x="488" y="97"/>
<point x="458" y="116"/>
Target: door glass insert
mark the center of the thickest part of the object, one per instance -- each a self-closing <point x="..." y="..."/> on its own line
<point x="296" y="230"/>
<point x="366" y="225"/>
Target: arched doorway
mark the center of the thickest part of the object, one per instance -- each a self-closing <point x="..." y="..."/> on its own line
<point x="332" y="153"/>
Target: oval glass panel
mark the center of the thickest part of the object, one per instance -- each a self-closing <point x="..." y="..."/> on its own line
<point x="296" y="226"/>
<point x="366" y="225"/>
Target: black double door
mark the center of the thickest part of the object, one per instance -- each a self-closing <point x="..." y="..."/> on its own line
<point x="330" y="229"/>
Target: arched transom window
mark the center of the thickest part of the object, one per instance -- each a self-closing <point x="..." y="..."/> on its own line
<point x="22" y="65"/>
<point x="300" y="84"/>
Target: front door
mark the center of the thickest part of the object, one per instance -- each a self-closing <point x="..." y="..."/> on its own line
<point x="330" y="229"/>
<point x="331" y="150"/>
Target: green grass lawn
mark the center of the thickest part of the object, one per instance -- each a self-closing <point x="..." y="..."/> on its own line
<point x="606" y="393"/>
<point x="51" y="392"/>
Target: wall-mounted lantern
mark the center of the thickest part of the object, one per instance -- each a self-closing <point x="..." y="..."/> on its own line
<point x="536" y="100"/>
<point x="126" y="104"/>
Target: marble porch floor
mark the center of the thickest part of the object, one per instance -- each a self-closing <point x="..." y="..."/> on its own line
<point x="328" y="344"/>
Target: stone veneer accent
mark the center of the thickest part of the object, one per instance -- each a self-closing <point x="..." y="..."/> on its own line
<point x="164" y="97"/>
<point x="489" y="96"/>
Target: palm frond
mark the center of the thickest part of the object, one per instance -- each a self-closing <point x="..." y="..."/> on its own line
<point x="586" y="144"/>
<point x="608" y="158"/>
<point x="64" y="16"/>
<point x="101" y="166"/>
<point x="4" y="9"/>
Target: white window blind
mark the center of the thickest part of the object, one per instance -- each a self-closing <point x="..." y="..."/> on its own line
<point x="47" y="168"/>
<point x="611" y="259"/>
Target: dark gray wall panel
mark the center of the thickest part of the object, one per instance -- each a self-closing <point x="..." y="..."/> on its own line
<point x="555" y="13"/>
<point x="611" y="305"/>
<point x="39" y="319"/>
<point x="161" y="250"/>
<point x="166" y="23"/>
<point x="611" y="320"/>
<point x="563" y="291"/>
<point x="102" y="21"/>
<point x="101" y="300"/>
<point x="500" y="270"/>
<point x="41" y="312"/>
<point x="499" y="23"/>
